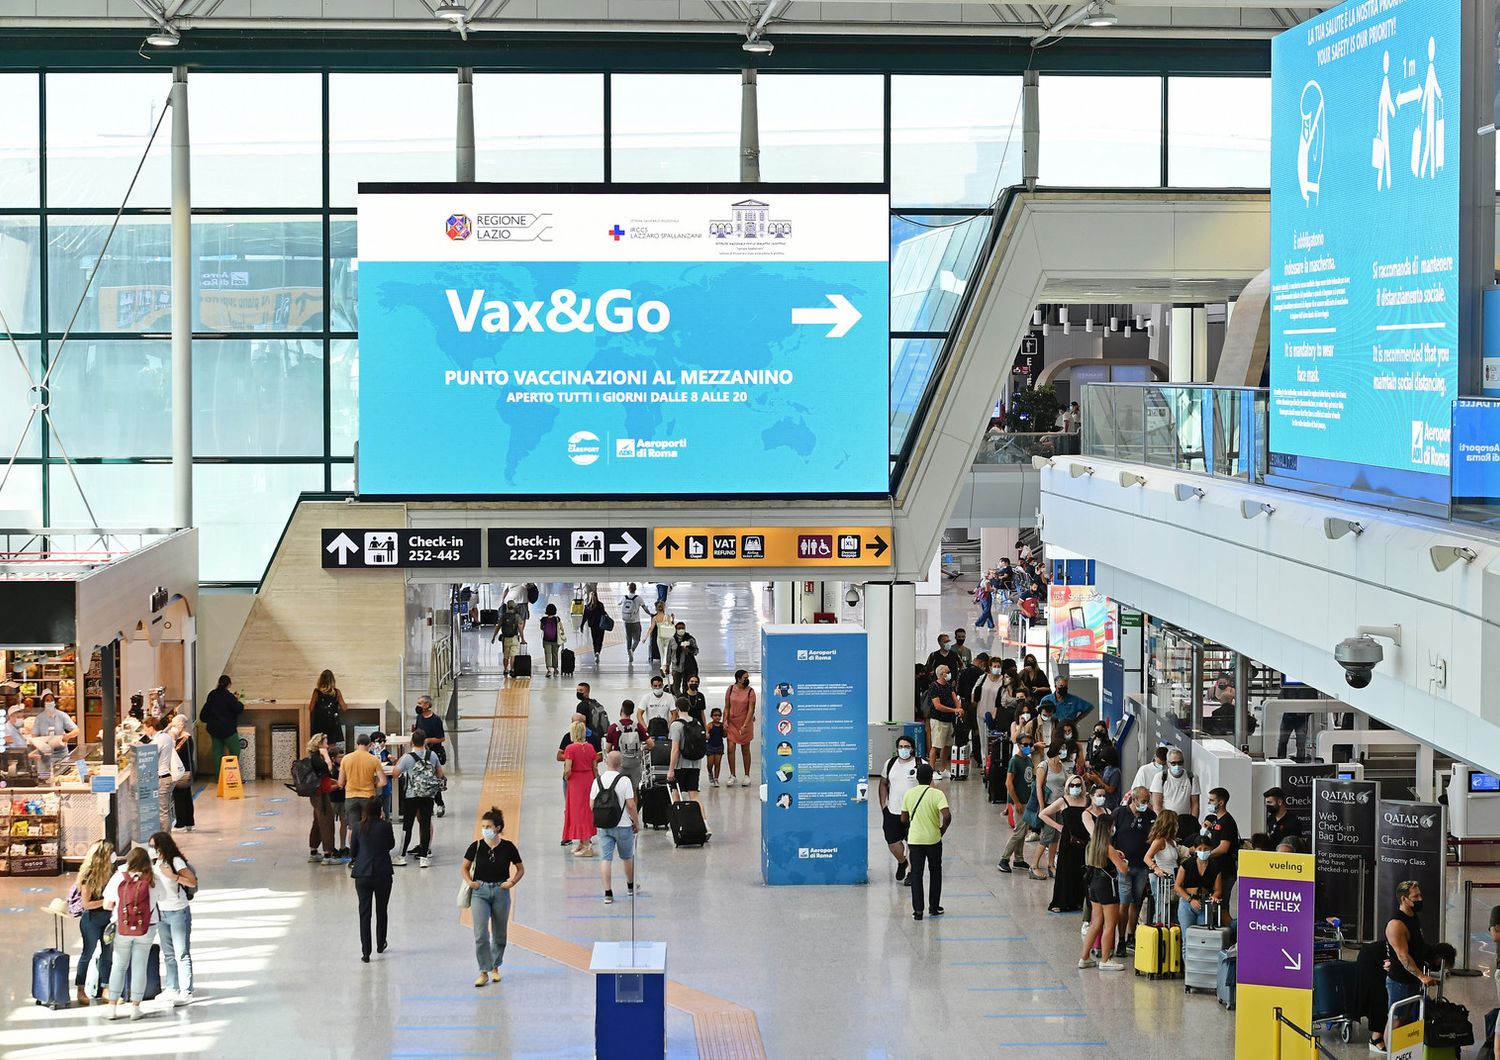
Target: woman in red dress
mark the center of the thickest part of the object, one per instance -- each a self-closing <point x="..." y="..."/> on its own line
<point x="579" y="763"/>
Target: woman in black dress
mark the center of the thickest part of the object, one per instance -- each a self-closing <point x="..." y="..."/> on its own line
<point x="1066" y="816"/>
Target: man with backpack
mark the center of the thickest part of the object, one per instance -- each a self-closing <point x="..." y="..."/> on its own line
<point x="630" y="613"/>
<point x="595" y="717"/>
<point x="423" y="774"/>
<point x="508" y="633"/>
<point x="617" y="819"/>
<point x="632" y="744"/>
<point x="689" y="750"/>
<point x="432" y="726"/>
<point x="656" y="703"/>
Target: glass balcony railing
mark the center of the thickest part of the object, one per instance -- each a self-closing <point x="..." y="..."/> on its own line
<point x="999" y="447"/>
<point x="1213" y="430"/>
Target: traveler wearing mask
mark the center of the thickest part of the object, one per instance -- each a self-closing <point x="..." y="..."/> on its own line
<point x="1198" y="883"/>
<point x="1106" y="864"/>
<point x="1066" y="816"/>
<point x="1046" y="723"/>
<point x="1132" y="837"/>
<point x="1057" y="774"/>
<point x="964" y="654"/>
<point x="370" y="848"/>
<point x="944" y="656"/>
<point x="656" y="703"/>
<point x="694" y="702"/>
<point x="1019" y="785"/>
<point x="897" y="778"/>
<point x="1032" y="677"/>
<point x="925" y="812"/>
<point x="942" y="711"/>
<point x="1069" y="707"/>
<point x="1405" y="949"/>
<point x="967" y="683"/>
<point x="436" y="742"/>
<point x="1226" y="836"/>
<point x="1151" y="770"/>
<point x="739" y="723"/>
<point x="1026" y="723"/>
<point x="1104" y="771"/>
<point x="492" y="867"/>
<point x="1281" y="823"/>
<point x="1098" y="740"/>
<point x="684" y="658"/>
<point x="1177" y="790"/>
<point x="988" y="695"/>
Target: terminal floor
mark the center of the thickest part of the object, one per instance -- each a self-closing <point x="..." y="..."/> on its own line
<point x="835" y="972"/>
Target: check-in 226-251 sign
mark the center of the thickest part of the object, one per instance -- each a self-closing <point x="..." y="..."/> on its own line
<point x="398" y="549"/>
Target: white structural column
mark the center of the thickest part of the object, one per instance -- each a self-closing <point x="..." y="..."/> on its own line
<point x="182" y="306"/>
<point x="783" y="605"/>
<point x="1200" y="344"/>
<point x="1031" y="129"/>
<point x="464" y="137"/>
<point x="1180" y="362"/>
<point x="749" y="129"/>
<point x="890" y="617"/>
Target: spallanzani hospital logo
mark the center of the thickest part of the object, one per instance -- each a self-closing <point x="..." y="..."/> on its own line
<point x="751" y="222"/>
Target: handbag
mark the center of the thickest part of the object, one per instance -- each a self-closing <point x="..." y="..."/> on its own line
<point x="465" y="894"/>
<point x="326" y="785"/>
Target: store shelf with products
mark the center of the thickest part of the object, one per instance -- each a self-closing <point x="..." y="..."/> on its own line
<point x="29" y="673"/>
<point x="33" y="833"/>
<point x="93" y="697"/>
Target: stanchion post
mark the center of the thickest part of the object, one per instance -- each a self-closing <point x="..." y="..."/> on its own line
<point x="1464" y="970"/>
<point x="1276" y="1034"/>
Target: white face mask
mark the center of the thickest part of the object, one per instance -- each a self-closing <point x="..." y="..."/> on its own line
<point x="1098" y="800"/>
<point x="904" y="752"/>
<point x="1075" y="792"/>
<point x="489" y="834"/>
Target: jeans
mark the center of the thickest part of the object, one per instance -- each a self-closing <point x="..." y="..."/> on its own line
<point x="376" y="891"/>
<point x="489" y="908"/>
<point x="985" y="619"/>
<point x="1187" y="918"/>
<point x="92" y="926"/>
<point x="931" y="856"/>
<point x="632" y="636"/>
<point x="621" y="836"/>
<point x="354" y="810"/>
<point x="416" y="811"/>
<point x="132" y="952"/>
<point x="176" y="954"/>
<point x="1133" y="885"/>
<point x="1293" y="723"/>
<point x="1395" y="992"/>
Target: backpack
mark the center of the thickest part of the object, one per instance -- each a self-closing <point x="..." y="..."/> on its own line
<point x="306" y="780"/>
<point x="632" y="748"/>
<point x="133" y="906"/>
<point x="694" y="741"/>
<point x="421" y="779"/>
<point x="188" y="892"/>
<point x="608" y="809"/>
<point x="598" y="718"/>
<point x="509" y="627"/>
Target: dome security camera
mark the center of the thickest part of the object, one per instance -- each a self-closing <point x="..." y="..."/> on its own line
<point x="1358" y="656"/>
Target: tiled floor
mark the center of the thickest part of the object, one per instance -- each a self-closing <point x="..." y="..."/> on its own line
<point x="828" y="972"/>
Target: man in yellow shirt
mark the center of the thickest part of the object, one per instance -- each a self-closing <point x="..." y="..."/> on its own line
<point x="924" y="810"/>
<point x="361" y="776"/>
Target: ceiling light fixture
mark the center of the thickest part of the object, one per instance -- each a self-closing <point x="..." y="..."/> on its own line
<point x="1098" y="18"/>
<point x="1036" y="318"/>
<point x="1114" y="323"/>
<point x="163" y="37"/>
<point x="1088" y="325"/>
<point x="452" y="12"/>
<point x="758" y="46"/>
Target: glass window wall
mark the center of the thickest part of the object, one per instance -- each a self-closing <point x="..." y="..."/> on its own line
<point x="820" y="128"/>
<point x="20" y="140"/>
<point x="98" y="126"/>
<point x="1219" y="132"/>
<point x="669" y="127"/>
<point x="539" y="127"/>
<point x="955" y="141"/>
<point x="1100" y="131"/>
<point x="389" y="127"/>
<point x="257" y="139"/>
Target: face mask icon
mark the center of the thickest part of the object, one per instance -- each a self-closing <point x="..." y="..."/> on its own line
<point x="1311" y="141"/>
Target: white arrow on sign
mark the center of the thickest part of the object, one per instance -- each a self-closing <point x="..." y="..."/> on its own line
<point x="628" y="549"/>
<point x="1293" y="964"/>
<point x="842" y="316"/>
<point x="343" y="547"/>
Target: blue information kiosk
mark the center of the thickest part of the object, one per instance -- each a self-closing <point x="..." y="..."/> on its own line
<point x="630" y="1000"/>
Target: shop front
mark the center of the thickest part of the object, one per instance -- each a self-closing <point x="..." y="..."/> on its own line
<point x="96" y="632"/>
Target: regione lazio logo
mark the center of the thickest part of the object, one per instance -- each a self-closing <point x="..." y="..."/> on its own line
<point x="583" y="448"/>
<point x="460" y="227"/>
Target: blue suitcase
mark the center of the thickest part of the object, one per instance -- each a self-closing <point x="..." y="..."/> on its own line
<point x="1229" y="967"/>
<point x="49" y="974"/>
<point x="153" y="978"/>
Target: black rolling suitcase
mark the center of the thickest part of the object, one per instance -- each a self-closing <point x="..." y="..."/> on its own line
<point x="688" y="826"/>
<point x="50" y="984"/>
<point x="994" y="767"/>
<point x="661" y="748"/>
<point x="656" y="806"/>
<point x="153" y="978"/>
<point x="567" y="660"/>
<point x="520" y="665"/>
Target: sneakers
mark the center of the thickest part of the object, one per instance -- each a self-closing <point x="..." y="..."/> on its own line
<point x="135" y="1011"/>
<point x="398" y="859"/>
<point x="425" y="863"/>
<point x="495" y="975"/>
<point x="1111" y="965"/>
<point x="935" y="912"/>
<point x="441" y="811"/>
<point x="609" y="897"/>
<point x="313" y="857"/>
<point x="1004" y="865"/>
<point x="917" y="915"/>
<point x="329" y="859"/>
<point x="630" y="888"/>
<point x="901" y="870"/>
<point x="714" y="783"/>
<point x="1087" y="962"/>
<point x="482" y="980"/>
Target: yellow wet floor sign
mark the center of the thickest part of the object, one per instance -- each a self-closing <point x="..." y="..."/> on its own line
<point x="230" y="785"/>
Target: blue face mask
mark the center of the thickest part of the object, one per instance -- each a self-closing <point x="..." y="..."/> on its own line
<point x="1202" y="855"/>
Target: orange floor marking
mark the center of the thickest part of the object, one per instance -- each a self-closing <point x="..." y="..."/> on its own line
<point x="725" y="1030"/>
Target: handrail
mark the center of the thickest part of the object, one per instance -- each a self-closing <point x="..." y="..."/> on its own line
<point x="1307" y="1036"/>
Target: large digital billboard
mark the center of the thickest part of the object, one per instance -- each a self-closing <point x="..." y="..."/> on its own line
<point x="1365" y="265"/>
<point x="623" y="342"/>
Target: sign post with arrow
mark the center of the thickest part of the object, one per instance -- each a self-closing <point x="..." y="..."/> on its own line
<point x="771" y="546"/>
<point x="1275" y="896"/>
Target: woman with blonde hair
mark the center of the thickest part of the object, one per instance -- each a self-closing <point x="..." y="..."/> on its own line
<point x="1105" y="863"/>
<point x="88" y="895"/>
<point x="322" y="807"/>
<point x="131" y="896"/>
<point x="661" y="632"/>
<point x="580" y="762"/>
<point x="326" y="708"/>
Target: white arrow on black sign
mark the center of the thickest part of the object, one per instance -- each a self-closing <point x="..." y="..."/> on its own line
<point x="343" y="548"/>
<point x="842" y="315"/>
<point x="628" y="547"/>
